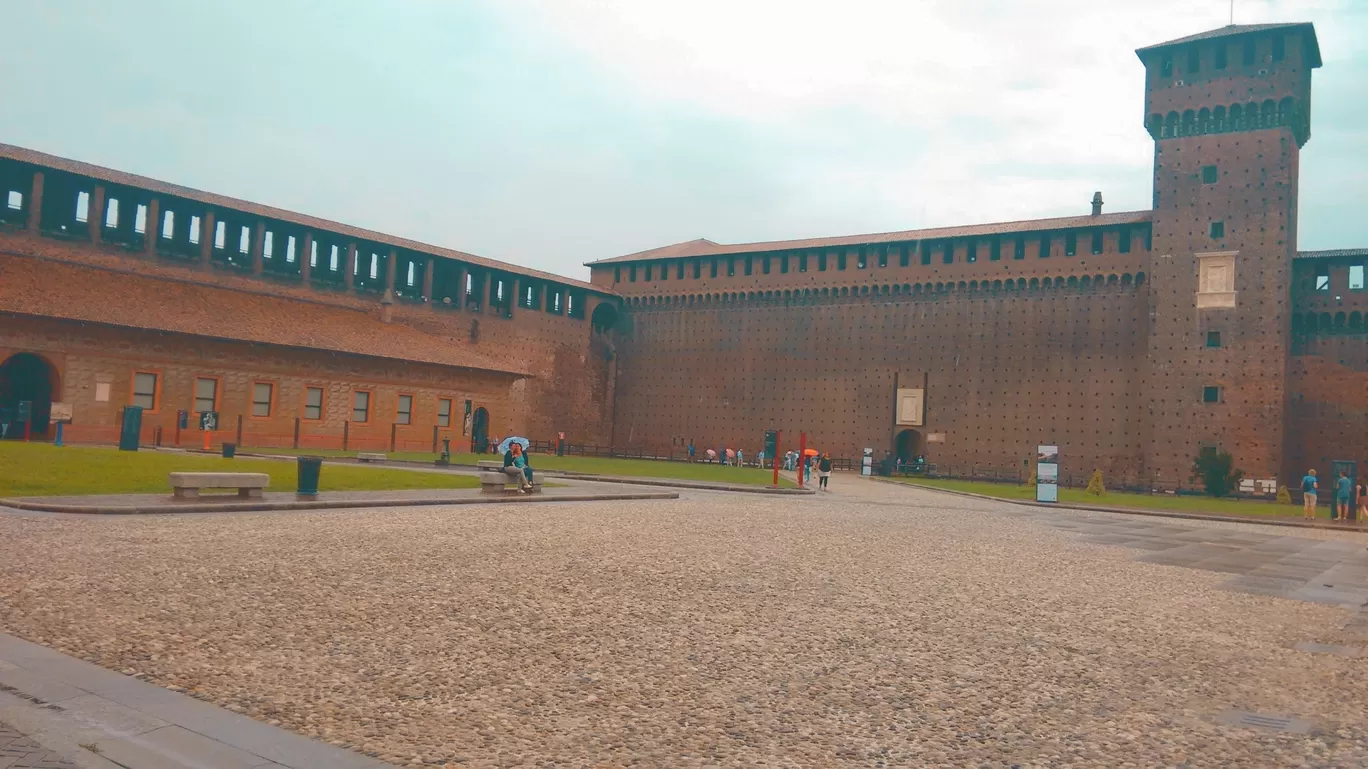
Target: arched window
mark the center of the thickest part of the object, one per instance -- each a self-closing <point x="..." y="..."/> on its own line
<point x="997" y="285"/>
<point x="1325" y="323"/>
<point x="1073" y="281"/>
<point x="1236" y="117"/>
<point x="1171" y="125"/>
<point x="897" y="290"/>
<point x="1035" y="283"/>
<point x="1085" y="283"/>
<point x="906" y="288"/>
<point x="1047" y="283"/>
<point x="1355" y="321"/>
<point x="1251" y="112"/>
<point x="1285" y="111"/>
<point x="1139" y="278"/>
<point x="1156" y="125"/>
<point x="1340" y="320"/>
<point x="1021" y="283"/>
<point x="1270" y="113"/>
<point x="940" y="287"/>
<point x="1126" y="279"/>
<point x="1186" y="127"/>
<point x="1204" y="121"/>
<point x="1112" y="279"/>
<point x="1218" y="119"/>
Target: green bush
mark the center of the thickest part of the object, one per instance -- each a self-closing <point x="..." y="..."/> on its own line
<point x="1095" y="487"/>
<point x="1216" y="469"/>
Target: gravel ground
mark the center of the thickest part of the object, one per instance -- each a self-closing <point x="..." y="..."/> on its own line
<point x="873" y="626"/>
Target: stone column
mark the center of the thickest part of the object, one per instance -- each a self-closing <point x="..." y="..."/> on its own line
<point x="258" y="240"/>
<point x="305" y="268"/>
<point x="391" y="265"/>
<point x="427" y="278"/>
<point x="35" y="203"/>
<point x="349" y="268"/>
<point x="95" y="214"/>
<point x="207" y="239"/>
<point x="513" y="298"/>
<point x="151" y="227"/>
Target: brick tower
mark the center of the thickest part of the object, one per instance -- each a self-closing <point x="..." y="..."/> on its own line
<point x="1229" y="111"/>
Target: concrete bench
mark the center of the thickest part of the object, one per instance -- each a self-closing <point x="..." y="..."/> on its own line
<point x="370" y="457"/>
<point x="491" y="465"/>
<point x="248" y="485"/>
<point x="502" y="483"/>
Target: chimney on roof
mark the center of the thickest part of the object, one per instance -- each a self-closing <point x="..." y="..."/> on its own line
<point x="1097" y="203"/>
<point x="387" y="306"/>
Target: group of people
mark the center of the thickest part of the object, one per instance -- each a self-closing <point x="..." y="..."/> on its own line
<point x="818" y="463"/>
<point x="1339" y="504"/>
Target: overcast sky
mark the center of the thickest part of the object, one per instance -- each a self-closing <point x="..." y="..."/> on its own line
<point x="553" y="132"/>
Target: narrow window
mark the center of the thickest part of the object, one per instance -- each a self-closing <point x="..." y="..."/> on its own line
<point x="375" y="271"/>
<point x="168" y="230"/>
<point x="145" y="390"/>
<point x="883" y="256"/>
<point x="1220" y="56"/>
<point x="206" y="394"/>
<point x="1097" y="242"/>
<point x="698" y="268"/>
<point x="783" y="263"/>
<point x="664" y="270"/>
<point x="1247" y="57"/>
<point x="261" y="398"/>
<point x="861" y="261"/>
<point x="268" y="245"/>
<point x="1355" y="277"/>
<point x="1123" y="236"/>
<point x="712" y="267"/>
<point x="412" y="271"/>
<point x="1323" y="279"/>
<point x="290" y="254"/>
<point x="313" y="403"/>
<point x="765" y="264"/>
<point x="1213" y="339"/>
<point x="15" y="200"/>
<point x="1210" y="174"/>
<point x="244" y="241"/>
<point x="948" y="252"/>
<point x="112" y="213"/>
<point x="83" y="207"/>
<point x="444" y="412"/>
<point x="313" y="253"/>
<point x="995" y="250"/>
<point x="1070" y="243"/>
<point x="404" y="414"/>
<point x="1217" y="230"/>
<point x="617" y="274"/>
<point x="1019" y="249"/>
<point x="1211" y="394"/>
<point x="679" y="272"/>
<point x="731" y="266"/>
<point x="1279" y="48"/>
<point x="1166" y="66"/>
<point x="1044" y="246"/>
<point x="140" y="220"/>
<point x="631" y="273"/>
<point x="332" y="258"/>
<point x="220" y="233"/>
<point x="195" y="230"/>
<point x="1193" y="61"/>
<point x="841" y="261"/>
<point x="821" y="262"/>
<point x="802" y="262"/>
<point x="360" y="406"/>
<point x="925" y="252"/>
<point x="904" y="254"/>
<point x="971" y="251"/>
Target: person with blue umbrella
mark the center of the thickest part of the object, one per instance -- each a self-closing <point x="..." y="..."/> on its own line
<point x="517" y="462"/>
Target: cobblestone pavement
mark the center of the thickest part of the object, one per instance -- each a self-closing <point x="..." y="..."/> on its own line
<point x="20" y="752"/>
<point x="873" y="625"/>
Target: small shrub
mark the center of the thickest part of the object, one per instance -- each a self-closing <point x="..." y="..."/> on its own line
<point x="1095" y="486"/>
<point x="1216" y="469"/>
<point x="1284" y="498"/>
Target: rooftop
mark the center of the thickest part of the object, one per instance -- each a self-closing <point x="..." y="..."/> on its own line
<point x="54" y="289"/>
<point x="1235" y="30"/>
<point x="34" y="157"/>
<point x="1332" y="253"/>
<point x="704" y="247"/>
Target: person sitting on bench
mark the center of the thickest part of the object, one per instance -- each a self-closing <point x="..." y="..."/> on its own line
<point x="517" y="465"/>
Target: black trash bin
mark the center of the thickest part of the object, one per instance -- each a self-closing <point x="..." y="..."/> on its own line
<point x="229" y="450"/>
<point x="309" y="470"/>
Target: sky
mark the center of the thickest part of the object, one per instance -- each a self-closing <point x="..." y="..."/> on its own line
<point x="549" y="133"/>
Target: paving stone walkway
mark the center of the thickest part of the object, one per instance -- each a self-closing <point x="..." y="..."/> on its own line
<point x="20" y="752"/>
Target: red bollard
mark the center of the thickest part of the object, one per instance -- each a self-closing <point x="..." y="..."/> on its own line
<point x="802" y="457"/>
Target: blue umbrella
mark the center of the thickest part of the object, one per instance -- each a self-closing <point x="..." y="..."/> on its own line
<point x="509" y="441"/>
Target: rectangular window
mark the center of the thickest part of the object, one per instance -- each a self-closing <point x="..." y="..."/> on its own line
<point x="1211" y="394"/>
<point x="948" y="252"/>
<point x="647" y="268"/>
<point x="731" y="267"/>
<point x="802" y="262"/>
<point x="334" y="256"/>
<point x="1355" y="277"/>
<point x="1123" y="240"/>
<point x="404" y="414"/>
<point x="168" y="230"/>
<point x="244" y="241"/>
<point x="1166" y="66"/>
<point x="145" y="390"/>
<point x="765" y="264"/>
<point x="140" y="220"/>
<point x="262" y="393"/>
<point x="1097" y="242"/>
<point x="750" y="266"/>
<point x="1248" y="54"/>
<point x="617" y="273"/>
<point x="698" y="268"/>
<point x="679" y="270"/>
<point x="1044" y="246"/>
<point x="195" y="230"/>
<point x="783" y="263"/>
<point x="206" y="395"/>
<point x="1213" y="339"/>
<point x="925" y="249"/>
<point x="83" y="207"/>
<point x="1210" y="174"/>
<point x="112" y="213"/>
<point x="313" y="253"/>
<point x="313" y="402"/>
<point x="1279" y="48"/>
<point x="841" y="262"/>
<point x="444" y="412"/>
<point x="995" y="250"/>
<point x="860" y="261"/>
<point x="631" y="272"/>
<point x="1323" y="280"/>
<point x="1220" y="56"/>
<point x="904" y="254"/>
<point x="360" y="406"/>
<point x="1019" y="249"/>
<point x="1193" y="61"/>
<point x="1070" y="243"/>
<point x="712" y="267"/>
<point x="821" y="262"/>
<point x="1217" y="230"/>
<point x="883" y="256"/>
<point x="971" y="251"/>
<point x="15" y="200"/>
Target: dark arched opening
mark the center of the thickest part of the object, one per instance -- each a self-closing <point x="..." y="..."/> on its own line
<point x="28" y="377"/>
<point x="479" y="431"/>
<point x="604" y="318"/>
<point x="908" y="446"/>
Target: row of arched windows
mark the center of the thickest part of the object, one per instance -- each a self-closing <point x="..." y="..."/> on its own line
<point x="1238" y="117"/>
<point x="1074" y="282"/>
<point x="1325" y="323"/>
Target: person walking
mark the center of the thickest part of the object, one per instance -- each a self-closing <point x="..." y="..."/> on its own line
<point x="824" y="470"/>
<point x="1309" y="494"/>
<point x="740" y="458"/>
<point x="1344" y="490"/>
<point x="516" y="465"/>
<point x="691" y="450"/>
<point x="1363" y="500"/>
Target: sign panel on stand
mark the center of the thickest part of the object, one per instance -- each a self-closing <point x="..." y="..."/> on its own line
<point x="867" y="463"/>
<point x="1047" y="473"/>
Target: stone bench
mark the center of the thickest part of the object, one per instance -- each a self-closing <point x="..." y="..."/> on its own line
<point x="370" y="457"/>
<point x="248" y="485"/>
<point x="502" y="483"/>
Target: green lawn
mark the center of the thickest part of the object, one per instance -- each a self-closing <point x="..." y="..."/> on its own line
<point x="40" y="469"/>
<point x="636" y="468"/>
<point x="1122" y="499"/>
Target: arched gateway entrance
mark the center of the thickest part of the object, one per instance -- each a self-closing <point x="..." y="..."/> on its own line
<point x="909" y="446"/>
<point x="27" y="377"/>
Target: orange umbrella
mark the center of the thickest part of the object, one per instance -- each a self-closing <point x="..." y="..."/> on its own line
<point x="811" y="453"/>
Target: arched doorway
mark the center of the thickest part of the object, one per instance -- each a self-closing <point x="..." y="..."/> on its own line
<point x="908" y="446"/>
<point x="28" y="377"/>
<point x="479" y="431"/>
<point x="604" y="317"/>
